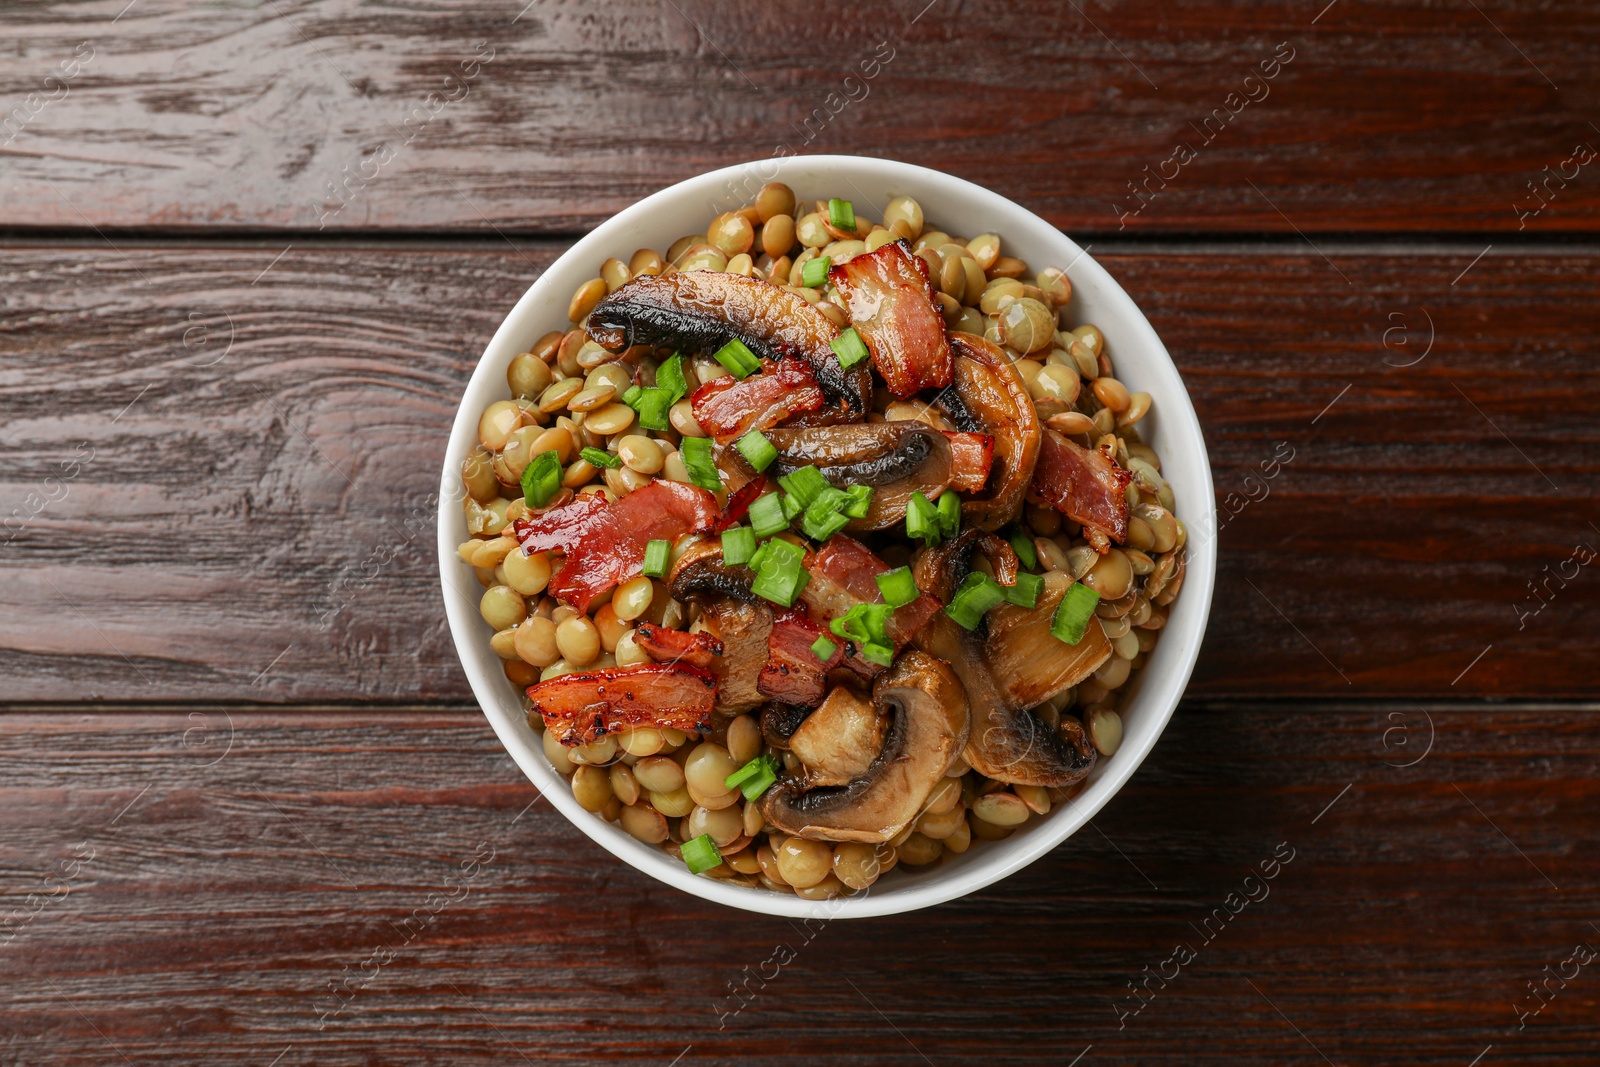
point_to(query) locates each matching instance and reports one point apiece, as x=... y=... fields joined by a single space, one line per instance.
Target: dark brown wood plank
x=232 y=881
x=255 y=522
x=1406 y=116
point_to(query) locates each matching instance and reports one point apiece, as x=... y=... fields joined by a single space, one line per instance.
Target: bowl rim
x=1158 y=697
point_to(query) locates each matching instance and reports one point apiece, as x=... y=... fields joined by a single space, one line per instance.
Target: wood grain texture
x=238 y=868
x=1398 y=116
x=253 y=518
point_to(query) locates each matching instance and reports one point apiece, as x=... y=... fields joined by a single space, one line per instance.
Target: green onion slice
x=738 y=358
x=823 y=649
x=898 y=587
x=696 y=453
x=738 y=545
x=805 y=484
x=601 y=458
x=541 y=478
x=949 y=513
x=922 y=519
x=849 y=347
x=655 y=559
x=972 y=601
x=1022 y=545
x=652 y=404
x=669 y=376
x=700 y=854
x=860 y=500
x=815 y=271
x=863 y=624
x=767 y=516
x=842 y=213
x=882 y=655
x=754 y=778
x=757 y=450
x=781 y=575
x=1071 y=620
x=1025 y=594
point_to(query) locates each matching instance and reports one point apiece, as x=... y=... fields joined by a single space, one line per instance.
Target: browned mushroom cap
x=1010 y=664
x=839 y=741
x=895 y=458
x=928 y=726
x=700 y=311
x=989 y=396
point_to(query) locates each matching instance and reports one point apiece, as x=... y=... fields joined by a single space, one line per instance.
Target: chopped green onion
x=750 y=770
x=738 y=358
x=754 y=562
x=754 y=778
x=541 y=478
x=700 y=854
x=882 y=655
x=922 y=519
x=652 y=404
x=669 y=376
x=1025 y=594
x=842 y=213
x=849 y=347
x=655 y=559
x=1022 y=545
x=976 y=596
x=767 y=516
x=823 y=649
x=696 y=453
x=1072 y=616
x=600 y=458
x=898 y=587
x=860 y=500
x=781 y=576
x=753 y=789
x=804 y=484
x=821 y=523
x=863 y=624
x=815 y=271
x=738 y=545
x=949 y=513
x=791 y=507
x=757 y=450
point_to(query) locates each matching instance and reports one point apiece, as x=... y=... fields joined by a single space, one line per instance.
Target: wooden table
x=248 y=263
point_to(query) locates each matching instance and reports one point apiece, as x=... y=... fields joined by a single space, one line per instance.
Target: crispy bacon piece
x=727 y=408
x=891 y=305
x=739 y=503
x=584 y=707
x=604 y=543
x=1083 y=485
x=677 y=646
x=793 y=674
x=971 y=455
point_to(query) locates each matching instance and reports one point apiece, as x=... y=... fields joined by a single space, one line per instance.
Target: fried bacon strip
x=677 y=646
x=892 y=307
x=604 y=543
x=727 y=408
x=793 y=674
x=583 y=707
x=971 y=456
x=1083 y=484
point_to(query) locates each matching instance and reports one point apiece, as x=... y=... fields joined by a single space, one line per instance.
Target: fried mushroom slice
x=700 y=311
x=1009 y=665
x=988 y=396
x=927 y=712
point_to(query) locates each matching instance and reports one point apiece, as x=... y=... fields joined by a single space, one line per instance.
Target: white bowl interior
x=958 y=206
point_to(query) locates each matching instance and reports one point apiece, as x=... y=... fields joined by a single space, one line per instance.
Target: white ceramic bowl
x=961 y=207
